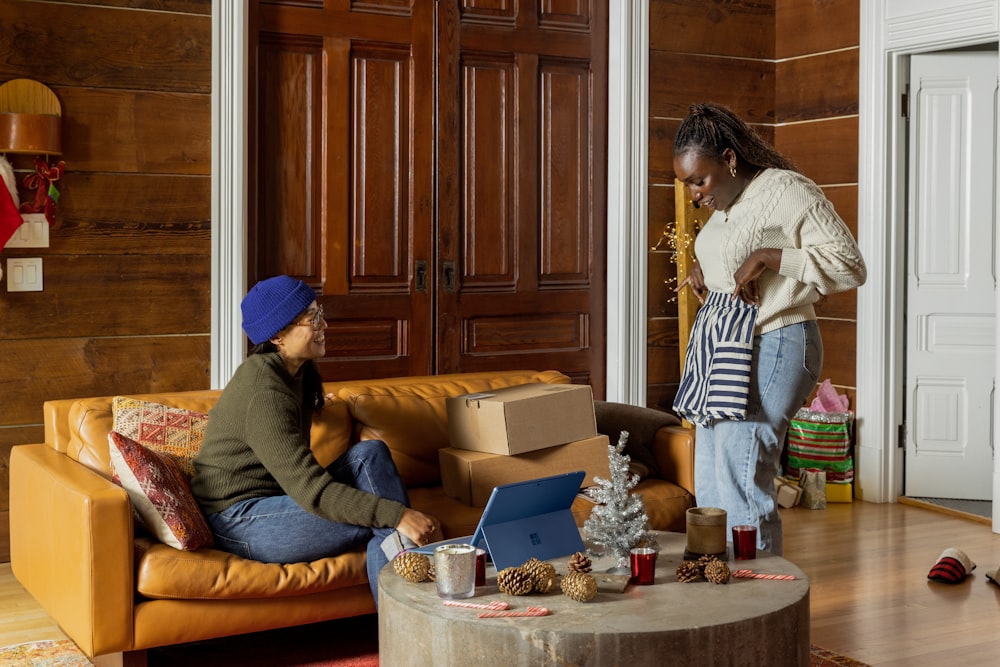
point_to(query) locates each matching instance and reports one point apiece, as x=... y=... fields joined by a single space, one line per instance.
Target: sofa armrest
x=71 y=537
x=673 y=448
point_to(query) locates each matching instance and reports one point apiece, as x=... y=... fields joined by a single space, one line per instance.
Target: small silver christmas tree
x=618 y=521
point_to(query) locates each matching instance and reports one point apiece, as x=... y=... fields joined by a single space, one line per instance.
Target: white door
x=951 y=289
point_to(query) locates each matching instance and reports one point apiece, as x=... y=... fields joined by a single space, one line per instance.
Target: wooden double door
x=436 y=170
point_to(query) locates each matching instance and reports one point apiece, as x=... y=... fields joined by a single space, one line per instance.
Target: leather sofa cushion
x=80 y=428
x=666 y=504
x=410 y=415
x=208 y=574
x=641 y=425
x=88 y=422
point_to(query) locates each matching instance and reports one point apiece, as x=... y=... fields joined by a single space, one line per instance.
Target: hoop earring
x=732 y=170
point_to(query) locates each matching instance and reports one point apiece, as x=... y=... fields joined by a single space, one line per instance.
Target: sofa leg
x=125 y=659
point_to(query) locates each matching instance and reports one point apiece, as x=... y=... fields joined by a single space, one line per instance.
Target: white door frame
x=628 y=215
x=890 y=31
x=230 y=54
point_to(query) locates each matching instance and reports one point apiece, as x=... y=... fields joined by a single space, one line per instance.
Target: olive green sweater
x=257 y=445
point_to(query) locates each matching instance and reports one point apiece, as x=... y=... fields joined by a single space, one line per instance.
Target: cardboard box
x=789 y=493
x=521 y=419
x=470 y=476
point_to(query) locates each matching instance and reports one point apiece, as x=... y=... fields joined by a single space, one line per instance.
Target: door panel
x=350 y=186
x=951 y=277
x=522 y=212
x=290 y=70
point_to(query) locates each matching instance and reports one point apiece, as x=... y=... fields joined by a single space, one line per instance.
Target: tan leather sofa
x=117 y=592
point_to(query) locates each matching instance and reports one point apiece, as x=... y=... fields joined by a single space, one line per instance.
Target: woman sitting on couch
x=264 y=495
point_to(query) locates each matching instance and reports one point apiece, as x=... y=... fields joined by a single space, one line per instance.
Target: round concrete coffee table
x=749 y=622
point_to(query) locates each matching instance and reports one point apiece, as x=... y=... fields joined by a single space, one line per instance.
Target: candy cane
x=530 y=611
x=495 y=605
x=749 y=574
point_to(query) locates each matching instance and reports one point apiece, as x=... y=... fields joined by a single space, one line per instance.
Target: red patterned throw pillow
x=173 y=431
x=160 y=493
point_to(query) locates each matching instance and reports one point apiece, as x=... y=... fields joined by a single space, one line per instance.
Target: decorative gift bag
x=821 y=440
x=813 y=483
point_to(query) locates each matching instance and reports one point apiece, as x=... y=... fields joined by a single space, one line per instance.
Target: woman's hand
x=747 y=287
x=696 y=281
x=419 y=527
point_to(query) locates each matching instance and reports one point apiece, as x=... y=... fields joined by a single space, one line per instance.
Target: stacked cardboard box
x=519 y=433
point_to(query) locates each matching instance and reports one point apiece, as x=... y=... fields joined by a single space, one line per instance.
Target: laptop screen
x=530 y=518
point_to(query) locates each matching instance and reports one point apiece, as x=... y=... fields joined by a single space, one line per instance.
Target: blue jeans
x=276 y=529
x=735 y=462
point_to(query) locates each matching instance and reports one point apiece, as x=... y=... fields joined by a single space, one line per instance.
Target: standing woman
x=772 y=248
x=264 y=495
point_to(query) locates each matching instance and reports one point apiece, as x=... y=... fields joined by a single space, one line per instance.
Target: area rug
x=820 y=657
x=288 y=650
x=48 y=653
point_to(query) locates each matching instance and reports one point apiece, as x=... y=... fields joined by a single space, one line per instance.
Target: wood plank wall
x=125 y=306
x=789 y=67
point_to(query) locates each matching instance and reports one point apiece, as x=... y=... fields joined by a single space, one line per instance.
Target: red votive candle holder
x=480 y=567
x=745 y=542
x=643 y=561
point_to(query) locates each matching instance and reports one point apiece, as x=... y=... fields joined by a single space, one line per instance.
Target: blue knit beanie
x=272 y=304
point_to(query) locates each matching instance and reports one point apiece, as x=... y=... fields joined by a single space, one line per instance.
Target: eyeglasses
x=315 y=320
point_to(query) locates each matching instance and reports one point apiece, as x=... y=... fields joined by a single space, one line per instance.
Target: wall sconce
x=30 y=124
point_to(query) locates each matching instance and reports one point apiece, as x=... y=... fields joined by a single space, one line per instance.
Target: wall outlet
x=33 y=232
x=24 y=274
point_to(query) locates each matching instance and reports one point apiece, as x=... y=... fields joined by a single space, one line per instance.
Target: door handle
x=448 y=272
x=420 y=276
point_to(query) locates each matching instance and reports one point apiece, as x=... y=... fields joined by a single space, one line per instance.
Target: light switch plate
x=24 y=274
x=33 y=232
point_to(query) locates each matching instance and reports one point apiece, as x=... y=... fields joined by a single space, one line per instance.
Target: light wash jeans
x=735 y=462
x=277 y=530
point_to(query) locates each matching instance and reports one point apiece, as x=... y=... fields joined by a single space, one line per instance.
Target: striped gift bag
x=717 y=365
x=821 y=440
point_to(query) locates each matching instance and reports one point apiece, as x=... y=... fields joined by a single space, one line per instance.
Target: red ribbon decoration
x=41 y=182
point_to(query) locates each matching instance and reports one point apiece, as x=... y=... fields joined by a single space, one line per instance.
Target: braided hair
x=710 y=128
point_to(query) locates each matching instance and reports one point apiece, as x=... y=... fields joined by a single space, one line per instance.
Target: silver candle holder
x=455 y=571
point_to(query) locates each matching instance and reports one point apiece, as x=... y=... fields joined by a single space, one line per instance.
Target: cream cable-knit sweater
x=782 y=209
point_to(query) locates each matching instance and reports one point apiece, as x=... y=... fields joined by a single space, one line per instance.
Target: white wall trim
x=891 y=30
x=628 y=146
x=229 y=186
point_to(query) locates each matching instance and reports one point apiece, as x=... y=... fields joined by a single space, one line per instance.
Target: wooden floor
x=870 y=596
x=869 y=593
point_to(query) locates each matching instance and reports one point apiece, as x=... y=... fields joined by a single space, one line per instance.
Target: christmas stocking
x=10 y=219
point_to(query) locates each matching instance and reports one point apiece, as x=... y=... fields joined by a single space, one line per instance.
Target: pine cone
x=543 y=575
x=579 y=562
x=717 y=572
x=579 y=586
x=704 y=562
x=688 y=571
x=412 y=566
x=514 y=581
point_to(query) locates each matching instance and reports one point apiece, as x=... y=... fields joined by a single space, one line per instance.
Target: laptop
x=525 y=519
